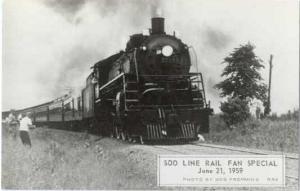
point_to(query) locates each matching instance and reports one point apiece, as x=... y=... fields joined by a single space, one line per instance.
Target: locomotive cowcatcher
x=147 y=91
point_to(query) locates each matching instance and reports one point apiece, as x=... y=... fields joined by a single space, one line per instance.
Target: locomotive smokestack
x=158 y=25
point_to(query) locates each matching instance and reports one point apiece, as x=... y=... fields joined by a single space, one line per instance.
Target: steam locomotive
x=145 y=92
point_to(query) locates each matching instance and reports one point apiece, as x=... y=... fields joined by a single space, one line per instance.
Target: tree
x=234 y=111
x=243 y=81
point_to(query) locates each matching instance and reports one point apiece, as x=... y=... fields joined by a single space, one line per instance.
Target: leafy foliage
x=243 y=79
x=243 y=83
x=235 y=111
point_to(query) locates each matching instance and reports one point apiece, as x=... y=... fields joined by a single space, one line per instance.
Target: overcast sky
x=49 y=45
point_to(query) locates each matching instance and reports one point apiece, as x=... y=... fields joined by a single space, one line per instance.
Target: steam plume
x=57 y=41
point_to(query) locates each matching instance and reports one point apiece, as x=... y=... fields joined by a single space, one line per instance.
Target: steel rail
x=247 y=150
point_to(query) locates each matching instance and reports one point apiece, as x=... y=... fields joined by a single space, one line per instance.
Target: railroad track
x=247 y=150
x=292 y=157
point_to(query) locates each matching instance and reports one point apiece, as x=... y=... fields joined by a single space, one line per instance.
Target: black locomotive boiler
x=147 y=91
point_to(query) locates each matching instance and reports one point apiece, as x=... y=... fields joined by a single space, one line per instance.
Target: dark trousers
x=25 y=138
x=13 y=130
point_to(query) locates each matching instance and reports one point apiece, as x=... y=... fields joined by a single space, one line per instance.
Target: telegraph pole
x=268 y=109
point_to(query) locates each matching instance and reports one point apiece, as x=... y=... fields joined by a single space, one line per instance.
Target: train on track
x=145 y=92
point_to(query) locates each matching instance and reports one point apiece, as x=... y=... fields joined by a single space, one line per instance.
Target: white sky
x=40 y=42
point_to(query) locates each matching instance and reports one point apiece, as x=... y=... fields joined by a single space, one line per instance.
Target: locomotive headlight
x=167 y=50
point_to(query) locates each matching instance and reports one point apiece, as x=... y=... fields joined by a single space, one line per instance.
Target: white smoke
x=50 y=45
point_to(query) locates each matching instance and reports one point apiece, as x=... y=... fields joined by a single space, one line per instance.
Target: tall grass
x=55 y=161
x=280 y=135
x=71 y=160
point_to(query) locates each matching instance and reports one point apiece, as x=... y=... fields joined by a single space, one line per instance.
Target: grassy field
x=280 y=135
x=76 y=160
x=69 y=160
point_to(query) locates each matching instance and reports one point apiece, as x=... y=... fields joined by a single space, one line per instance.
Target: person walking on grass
x=25 y=124
x=12 y=124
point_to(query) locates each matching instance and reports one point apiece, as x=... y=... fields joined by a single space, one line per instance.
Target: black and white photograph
x=150 y=95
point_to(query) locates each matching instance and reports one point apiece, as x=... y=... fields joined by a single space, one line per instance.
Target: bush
x=266 y=134
x=217 y=123
x=235 y=111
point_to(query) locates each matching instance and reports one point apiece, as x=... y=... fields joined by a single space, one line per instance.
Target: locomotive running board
x=157 y=131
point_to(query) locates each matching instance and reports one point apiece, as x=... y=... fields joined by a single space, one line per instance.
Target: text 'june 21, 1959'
x=221 y=170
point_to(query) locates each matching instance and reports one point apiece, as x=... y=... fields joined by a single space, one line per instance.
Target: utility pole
x=268 y=106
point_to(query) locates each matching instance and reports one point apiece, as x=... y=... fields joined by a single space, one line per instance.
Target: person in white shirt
x=20 y=117
x=25 y=124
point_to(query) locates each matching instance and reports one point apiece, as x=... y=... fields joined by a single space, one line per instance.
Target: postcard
x=150 y=95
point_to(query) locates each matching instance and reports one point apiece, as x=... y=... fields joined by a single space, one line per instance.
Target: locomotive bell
x=158 y=25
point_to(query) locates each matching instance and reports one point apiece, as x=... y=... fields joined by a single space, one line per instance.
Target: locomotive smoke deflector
x=158 y=25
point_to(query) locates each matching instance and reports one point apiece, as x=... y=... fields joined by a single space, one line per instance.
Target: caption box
x=221 y=170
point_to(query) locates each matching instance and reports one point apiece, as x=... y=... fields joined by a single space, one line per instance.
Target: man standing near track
x=12 y=124
x=25 y=124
